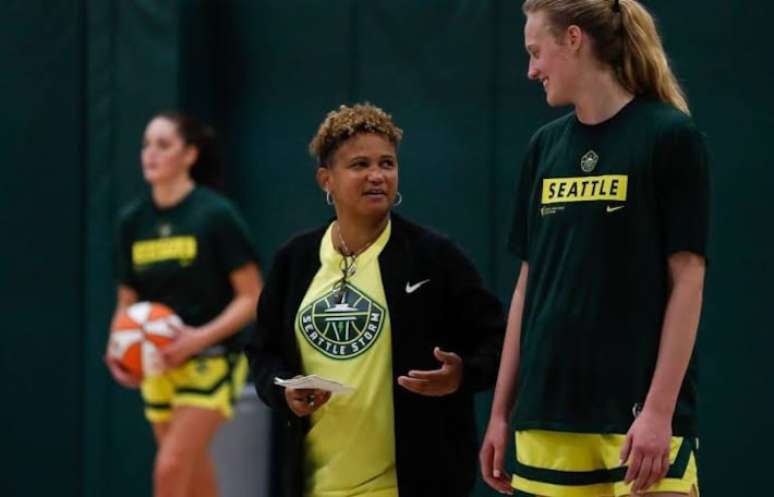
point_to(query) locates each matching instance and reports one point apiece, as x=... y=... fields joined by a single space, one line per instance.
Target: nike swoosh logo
x=413 y=288
x=613 y=209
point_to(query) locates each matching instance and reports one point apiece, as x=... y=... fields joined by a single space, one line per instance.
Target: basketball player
x=184 y=245
x=610 y=225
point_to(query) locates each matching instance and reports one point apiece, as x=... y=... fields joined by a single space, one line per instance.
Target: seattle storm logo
x=342 y=330
x=589 y=161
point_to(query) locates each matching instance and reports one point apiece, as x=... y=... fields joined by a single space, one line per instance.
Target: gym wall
x=82 y=77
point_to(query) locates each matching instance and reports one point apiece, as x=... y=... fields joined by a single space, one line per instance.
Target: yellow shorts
x=558 y=464
x=206 y=382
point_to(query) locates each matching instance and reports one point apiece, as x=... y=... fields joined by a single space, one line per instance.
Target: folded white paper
x=314 y=382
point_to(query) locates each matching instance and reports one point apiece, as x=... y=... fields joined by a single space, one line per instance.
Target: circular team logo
x=589 y=161
x=342 y=330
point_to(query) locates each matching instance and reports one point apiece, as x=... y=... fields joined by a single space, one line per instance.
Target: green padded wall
x=41 y=221
x=81 y=78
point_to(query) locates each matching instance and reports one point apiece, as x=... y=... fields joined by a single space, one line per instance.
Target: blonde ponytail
x=644 y=66
x=625 y=37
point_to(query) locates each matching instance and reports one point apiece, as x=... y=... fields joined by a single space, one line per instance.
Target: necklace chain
x=347 y=264
x=347 y=252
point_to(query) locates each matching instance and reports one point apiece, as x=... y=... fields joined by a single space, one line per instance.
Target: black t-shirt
x=598 y=210
x=182 y=256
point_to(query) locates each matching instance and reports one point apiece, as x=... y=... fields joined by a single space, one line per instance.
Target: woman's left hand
x=647 y=450
x=187 y=343
x=437 y=382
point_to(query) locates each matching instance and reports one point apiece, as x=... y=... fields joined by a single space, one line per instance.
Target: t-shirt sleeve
x=518 y=240
x=233 y=243
x=122 y=252
x=682 y=189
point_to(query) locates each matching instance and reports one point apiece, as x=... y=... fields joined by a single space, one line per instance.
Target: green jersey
x=598 y=211
x=182 y=256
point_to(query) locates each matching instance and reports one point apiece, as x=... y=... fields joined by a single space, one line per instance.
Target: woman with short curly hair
x=387 y=307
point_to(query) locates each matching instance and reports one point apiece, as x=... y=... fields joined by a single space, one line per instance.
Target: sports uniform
x=598 y=211
x=182 y=256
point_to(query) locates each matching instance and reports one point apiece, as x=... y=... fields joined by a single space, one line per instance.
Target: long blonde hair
x=625 y=37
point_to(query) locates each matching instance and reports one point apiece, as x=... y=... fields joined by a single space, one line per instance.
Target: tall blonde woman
x=610 y=225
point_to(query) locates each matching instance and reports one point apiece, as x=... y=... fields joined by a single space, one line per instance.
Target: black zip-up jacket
x=435 y=437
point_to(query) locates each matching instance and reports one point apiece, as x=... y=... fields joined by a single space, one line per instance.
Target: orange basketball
x=139 y=333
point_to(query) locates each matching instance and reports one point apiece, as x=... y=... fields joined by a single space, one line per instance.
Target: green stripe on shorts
x=594 y=477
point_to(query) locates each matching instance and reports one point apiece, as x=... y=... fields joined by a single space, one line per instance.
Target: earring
x=398 y=199
x=328 y=198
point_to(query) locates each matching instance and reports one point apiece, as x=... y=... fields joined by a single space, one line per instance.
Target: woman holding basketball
x=610 y=224
x=184 y=245
x=388 y=307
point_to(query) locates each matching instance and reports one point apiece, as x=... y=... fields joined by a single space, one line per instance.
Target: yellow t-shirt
x=350 y=448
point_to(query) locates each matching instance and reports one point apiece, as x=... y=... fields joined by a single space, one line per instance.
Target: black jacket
x=435 y=438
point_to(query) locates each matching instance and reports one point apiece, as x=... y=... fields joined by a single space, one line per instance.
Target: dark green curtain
x=132 y=71
x=82 y=77
x=41 y=205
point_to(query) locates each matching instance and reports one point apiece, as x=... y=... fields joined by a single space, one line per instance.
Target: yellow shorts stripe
x=586 y=465
x=205 y=382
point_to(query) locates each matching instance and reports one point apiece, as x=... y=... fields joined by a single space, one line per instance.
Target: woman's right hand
x=492 y=455
x=305 y=401
x=126 y=296
x=120 y=374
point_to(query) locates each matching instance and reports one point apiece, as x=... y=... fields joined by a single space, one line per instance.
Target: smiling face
x=165 y=156
x=362 y=177
x=552 y=60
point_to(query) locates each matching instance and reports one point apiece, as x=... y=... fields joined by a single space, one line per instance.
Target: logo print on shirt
x=607 y=188
x=180 y=248
x=589 y=161
x=610 y=208
x=165 y=230
x=342 y=330
x=413 y=288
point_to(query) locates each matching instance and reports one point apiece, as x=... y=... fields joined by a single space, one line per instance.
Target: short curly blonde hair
x=344 y=123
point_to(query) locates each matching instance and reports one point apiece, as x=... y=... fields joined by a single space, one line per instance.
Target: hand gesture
x=647 y=449
x=436 y=382
x=305 y=401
